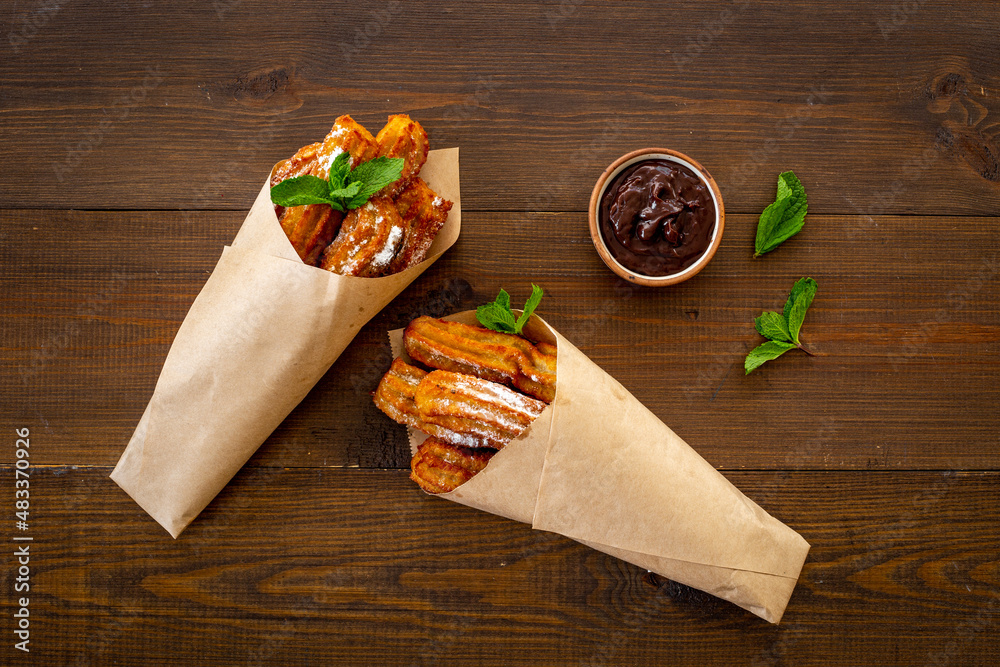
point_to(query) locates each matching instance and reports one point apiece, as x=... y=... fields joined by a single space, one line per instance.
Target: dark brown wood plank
x=906 y=332
x=352 y=567
x=182 y=106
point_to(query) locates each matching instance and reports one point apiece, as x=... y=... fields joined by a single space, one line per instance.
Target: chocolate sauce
x=657 y=217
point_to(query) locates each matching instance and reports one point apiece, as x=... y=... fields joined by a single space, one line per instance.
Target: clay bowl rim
x=595 y=233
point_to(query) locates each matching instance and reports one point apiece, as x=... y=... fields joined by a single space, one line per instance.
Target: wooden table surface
x=136 y=134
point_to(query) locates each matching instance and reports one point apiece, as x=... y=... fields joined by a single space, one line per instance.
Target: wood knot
x=944 y=138
x=260 y=85
x=947 y=86
x=272 y=88
x=968 y=127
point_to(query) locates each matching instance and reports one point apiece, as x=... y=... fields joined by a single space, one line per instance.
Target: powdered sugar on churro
x=328 y=160
x=385 y=255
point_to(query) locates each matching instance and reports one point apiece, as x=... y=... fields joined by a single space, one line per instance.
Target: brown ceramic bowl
x=609 y=175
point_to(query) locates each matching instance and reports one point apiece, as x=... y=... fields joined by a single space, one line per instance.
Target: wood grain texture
x=136 y=134
x=906 y=333
x=350 y=567
x=170 y=106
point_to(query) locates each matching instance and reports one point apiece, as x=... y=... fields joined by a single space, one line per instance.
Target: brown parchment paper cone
x=599 y=467
x=264 y=329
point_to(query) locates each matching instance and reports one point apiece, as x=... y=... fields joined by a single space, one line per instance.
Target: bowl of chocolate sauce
x=656 y=217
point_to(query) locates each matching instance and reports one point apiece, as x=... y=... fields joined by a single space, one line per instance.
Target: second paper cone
x=597 y=466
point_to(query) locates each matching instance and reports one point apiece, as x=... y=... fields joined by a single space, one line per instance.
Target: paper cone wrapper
x=597 y=466
x=264 y=329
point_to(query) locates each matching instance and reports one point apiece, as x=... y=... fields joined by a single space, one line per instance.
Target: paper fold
x=597 y=466
x=262 y=331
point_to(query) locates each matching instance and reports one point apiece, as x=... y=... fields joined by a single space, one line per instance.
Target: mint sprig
x=782 y=328
x=346 y=188
x=499 y=317
x=784 y=218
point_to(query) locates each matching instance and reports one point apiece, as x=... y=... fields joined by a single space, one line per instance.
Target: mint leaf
x=768 y=220
x=529 y=307
x=494 y=317
x=793 y=295
x=339 y=169
x=499 y=317
x=374 y=175
x=773 y=325
x=800 y=298
x=772 y=349
x=782 y=328
x=300 y=191
x=346 y=188
x=345 y=193
x=503 y=299
x=784 y=218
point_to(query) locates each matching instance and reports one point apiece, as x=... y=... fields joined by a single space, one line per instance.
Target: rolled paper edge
x=764 y=595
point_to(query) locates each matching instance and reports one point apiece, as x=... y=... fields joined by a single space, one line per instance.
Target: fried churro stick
x=300 y=164
x=500 y=357
x=468 y=411
x=402 y=137
x=312 y=227
x=394 y=395
x=346 y=136
x=423 y=214
x=439 y=467
x=368 y=240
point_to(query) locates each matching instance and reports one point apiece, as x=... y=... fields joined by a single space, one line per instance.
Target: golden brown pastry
x=347 y=135
x=403 y=137
x=300 y=164
x=423 y=214
x=309 y=228
x=505 y=358
x=394 y=395
x=465 y=410
x=368 y=240
x=465 y=414
x=456 y=408
x=439 y=467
